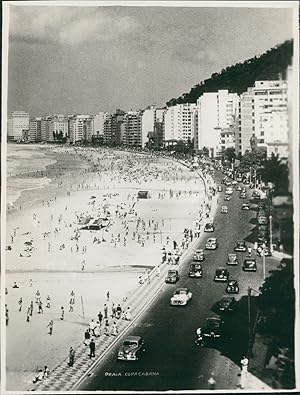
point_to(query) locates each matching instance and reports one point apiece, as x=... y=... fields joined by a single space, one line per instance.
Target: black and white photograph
x=150 y=197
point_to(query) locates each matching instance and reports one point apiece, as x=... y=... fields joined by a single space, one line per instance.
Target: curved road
x=172 y=360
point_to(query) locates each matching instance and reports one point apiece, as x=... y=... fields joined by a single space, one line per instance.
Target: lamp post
x=250 y=332
x=271 y=234
x=264 y=260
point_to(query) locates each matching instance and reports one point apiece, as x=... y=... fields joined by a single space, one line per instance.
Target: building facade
x=215 y=122
x=133 y=129
x=18 y=126
x=113 y=130
x=178 y=122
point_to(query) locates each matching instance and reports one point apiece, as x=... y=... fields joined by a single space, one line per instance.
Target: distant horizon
x=85 y=60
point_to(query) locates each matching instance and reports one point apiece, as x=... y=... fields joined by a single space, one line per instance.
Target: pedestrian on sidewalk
x=87 y=337
x=211 y=382
x=46 y=372
x=128 y=314
x=100 y=317
x=97 y=330
x=92 y=326
x=105 y=311
x=62 y=313
x=106 y=328
x=6 y=315
x=244 y=371
x=113 y=311
x=71 y=356
x=118 y=311
x=50 y=326
x=114 y=329
x=92 y=348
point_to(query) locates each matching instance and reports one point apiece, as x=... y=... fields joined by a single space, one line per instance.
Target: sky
x=89 y=59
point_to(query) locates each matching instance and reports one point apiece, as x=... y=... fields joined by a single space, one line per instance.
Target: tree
x=276 y=172
x=205 y=151
x=229 y=154
x=253 y=160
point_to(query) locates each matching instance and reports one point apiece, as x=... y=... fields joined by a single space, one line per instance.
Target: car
x=262 y=220
x=232 y=260
x=247 y=182
x=234 y=183
x=226 y=303
x=245 y=206
x=181 y=297
x=195 y=270
x=232 y=287
x=224 y=210
x=227 y=182
x=227 y=198
x=249 y=265
x=238 y=188
x=243 y=196
x=220 y=189
x=209 y=228
x=229 y=191
x=239 y=178
x=240 y=246
x=211 y=244
x=199 y=256
x=256 y=194
x=172 y=277
x=221 y=274
x=212 y=327
x=131 y=348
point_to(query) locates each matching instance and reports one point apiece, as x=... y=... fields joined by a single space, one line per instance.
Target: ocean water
x=21 y=160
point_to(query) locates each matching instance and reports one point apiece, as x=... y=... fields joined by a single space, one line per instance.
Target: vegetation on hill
x=239 y=77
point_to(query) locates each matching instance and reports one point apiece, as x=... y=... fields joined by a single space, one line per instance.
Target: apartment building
x=133 y=129
x=35 y=130
x=178 y=122
x=99 y=120
x=264 y=114
x=80 y=128
x=18 y=126
x=113 y=130
x=215 y=121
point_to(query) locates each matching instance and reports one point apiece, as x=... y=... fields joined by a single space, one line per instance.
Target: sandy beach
x=51 y=249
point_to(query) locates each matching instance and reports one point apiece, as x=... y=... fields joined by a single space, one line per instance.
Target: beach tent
x=143 y=195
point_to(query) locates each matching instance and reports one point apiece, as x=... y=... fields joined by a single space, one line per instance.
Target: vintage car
x=221 y=274
x=224 y=210
x=172 y=277
x=255 y=194
x=195 y=270
x=199 y=255
x=220 y=189
x=212 y=327
x=209 y=228
x=245 y=206
x=181 y=297
x=211 y=244
x=232 y=287
x=232 y=260
x=227 y=198
x=249 y=265
x=226 y=303
x=131 y=348
x=240 y=246
x=243 y=195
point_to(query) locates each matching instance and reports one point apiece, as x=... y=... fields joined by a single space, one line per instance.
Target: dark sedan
x=227 y=303
x=240 y=246
x=249 y=265
x=222 y=274
x=212 y=328
x=232 y=287
x=209 y=228
x=131 y=348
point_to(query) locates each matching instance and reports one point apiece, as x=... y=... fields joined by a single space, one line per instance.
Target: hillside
x=239 y=77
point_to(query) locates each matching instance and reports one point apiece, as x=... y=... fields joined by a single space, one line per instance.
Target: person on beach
x=50 y=326
x=92 y=348
x=71 y=356
x=20 y=303
x=100 y=317
x=15 y=285
x=71 y=309
x=48 y=302
x=31 y=308
x=72 y=297
x=107 y=295
x=128 y=314
x=37 y=296
x=30 y=282
x=40 y=307
x=62 y=313
x=46 y=372
x=92 y=326
x=39 y=376
x=118 y=311
x=28 y=315
x=82 y=265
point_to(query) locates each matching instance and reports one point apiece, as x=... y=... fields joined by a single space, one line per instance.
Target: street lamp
x=263 y=251
x=271 y=234
x=250 y=332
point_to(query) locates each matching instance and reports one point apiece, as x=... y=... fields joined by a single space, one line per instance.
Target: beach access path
x=59 y=258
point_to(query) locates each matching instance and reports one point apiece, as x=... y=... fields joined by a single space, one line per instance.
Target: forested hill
x=239 y=77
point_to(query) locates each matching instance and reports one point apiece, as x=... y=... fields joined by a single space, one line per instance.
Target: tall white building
x=58 y=129
x=271 y=116
x=18 y=126
x=80 y=128
x=178 y=123
x=148 y=118
x=99 y=120
x=246 y=121
x=217 y=115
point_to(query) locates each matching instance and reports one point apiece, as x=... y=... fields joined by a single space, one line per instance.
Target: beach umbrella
x=93 y=197
x=28 y=243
